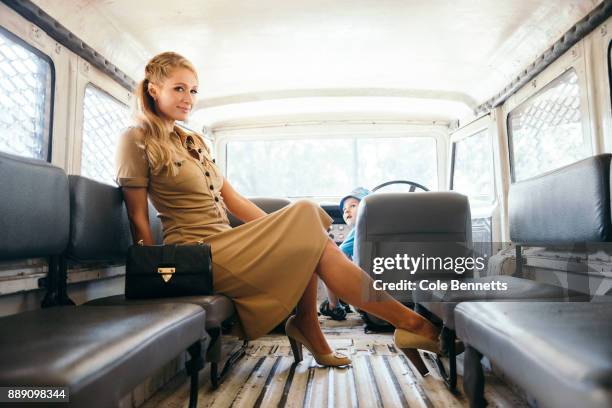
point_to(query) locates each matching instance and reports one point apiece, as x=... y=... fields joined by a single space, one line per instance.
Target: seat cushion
x=559 y=353
x=443 y=303
x=99 y=353
x=218 y=308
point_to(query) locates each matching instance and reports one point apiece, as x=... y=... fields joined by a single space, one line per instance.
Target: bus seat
x=567 y=206
x=267 y=204
x=88 y=195
x=100 y=354
x=33 y=192
x=566 y=348
x=428 y=224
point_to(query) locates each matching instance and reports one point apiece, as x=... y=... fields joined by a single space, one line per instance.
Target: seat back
x=35 y=208
x=430 y=226
x=269 y=205
x=99 y=226
x=564 y=210
x=564 y=206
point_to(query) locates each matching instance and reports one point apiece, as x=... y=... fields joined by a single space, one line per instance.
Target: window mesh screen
x=546 y=130
x=25 y=99
x=104 y=118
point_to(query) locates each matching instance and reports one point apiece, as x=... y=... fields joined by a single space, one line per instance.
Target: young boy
x=334 y=307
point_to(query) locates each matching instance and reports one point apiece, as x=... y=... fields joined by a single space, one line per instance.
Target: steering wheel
x=412 y=184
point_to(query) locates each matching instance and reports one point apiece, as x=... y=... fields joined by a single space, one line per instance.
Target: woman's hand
x=241 y=207
x=138 y=213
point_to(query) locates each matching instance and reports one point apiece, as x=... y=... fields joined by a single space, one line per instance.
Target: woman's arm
x=138 y=213
x=238 y=205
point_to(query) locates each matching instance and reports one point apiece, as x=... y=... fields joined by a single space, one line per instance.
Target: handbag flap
x=185 y=259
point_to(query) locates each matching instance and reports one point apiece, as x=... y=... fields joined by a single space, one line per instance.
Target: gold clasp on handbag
x=166 y=273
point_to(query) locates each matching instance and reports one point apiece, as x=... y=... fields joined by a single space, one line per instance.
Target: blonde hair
x=159 y=148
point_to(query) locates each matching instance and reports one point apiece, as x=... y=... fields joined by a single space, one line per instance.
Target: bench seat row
x=105 y=348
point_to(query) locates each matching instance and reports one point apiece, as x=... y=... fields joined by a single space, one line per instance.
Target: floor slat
x=380 y=376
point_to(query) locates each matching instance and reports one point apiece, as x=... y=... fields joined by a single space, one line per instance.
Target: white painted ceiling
x=408 y=59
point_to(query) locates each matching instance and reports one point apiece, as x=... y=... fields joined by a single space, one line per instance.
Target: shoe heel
x=416 y=360
x=296 y=349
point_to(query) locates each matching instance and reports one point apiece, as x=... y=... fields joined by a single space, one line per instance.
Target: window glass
x=473 y=168
x=546 y=130
x=328 y=167
x=104 y=118
x=26 y=83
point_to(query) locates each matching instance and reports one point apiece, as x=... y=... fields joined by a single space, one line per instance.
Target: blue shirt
x=347 y=245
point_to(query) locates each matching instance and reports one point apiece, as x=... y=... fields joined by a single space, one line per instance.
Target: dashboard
x=338 y=230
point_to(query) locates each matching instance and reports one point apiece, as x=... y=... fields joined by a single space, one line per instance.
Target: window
x=546 y=130
x=473 y=168
x=26 y=94
x=328 y=167
x=104 y=118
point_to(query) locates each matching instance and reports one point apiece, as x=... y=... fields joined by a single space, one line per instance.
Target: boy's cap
x=359 y=193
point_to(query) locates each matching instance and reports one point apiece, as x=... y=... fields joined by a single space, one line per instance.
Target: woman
x=269 y=264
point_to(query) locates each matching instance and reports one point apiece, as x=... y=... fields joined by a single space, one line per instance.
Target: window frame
x=574 y=58
x=82 y=119
x=471 y=133
x=356 y=129
x=88 y=75
x=50 y=108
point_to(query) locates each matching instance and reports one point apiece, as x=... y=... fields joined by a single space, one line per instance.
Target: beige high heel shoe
x=296 y=339
x=410 y=343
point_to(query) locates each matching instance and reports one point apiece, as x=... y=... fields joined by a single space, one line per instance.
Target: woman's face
x=176 y=95
x=349 y=210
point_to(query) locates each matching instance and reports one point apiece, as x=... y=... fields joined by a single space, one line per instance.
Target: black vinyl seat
x=443 y=303
x=420 y=225
x=559 y=353
x=542 y=211
x=218 y=308
x=102 y=353
x=546 y=345
x=423 y=224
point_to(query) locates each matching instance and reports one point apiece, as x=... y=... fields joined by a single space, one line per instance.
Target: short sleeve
x=132 y=167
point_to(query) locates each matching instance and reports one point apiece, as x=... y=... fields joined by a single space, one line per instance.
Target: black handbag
x=159 y=271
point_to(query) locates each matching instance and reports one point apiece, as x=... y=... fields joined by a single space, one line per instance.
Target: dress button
x=178 y=164
x=216 y=198
x=212 y=187
x=199 y=150
x=207 y=174
x=214 y=161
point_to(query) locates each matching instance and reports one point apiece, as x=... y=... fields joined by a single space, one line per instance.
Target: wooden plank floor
x=380 y=376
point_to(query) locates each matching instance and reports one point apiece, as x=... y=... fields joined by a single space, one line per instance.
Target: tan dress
x=263 y=265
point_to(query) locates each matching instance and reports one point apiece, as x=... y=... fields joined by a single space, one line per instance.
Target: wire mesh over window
x=26 y=83
x=473 y=168
x=546 y=130
x=104 y=118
